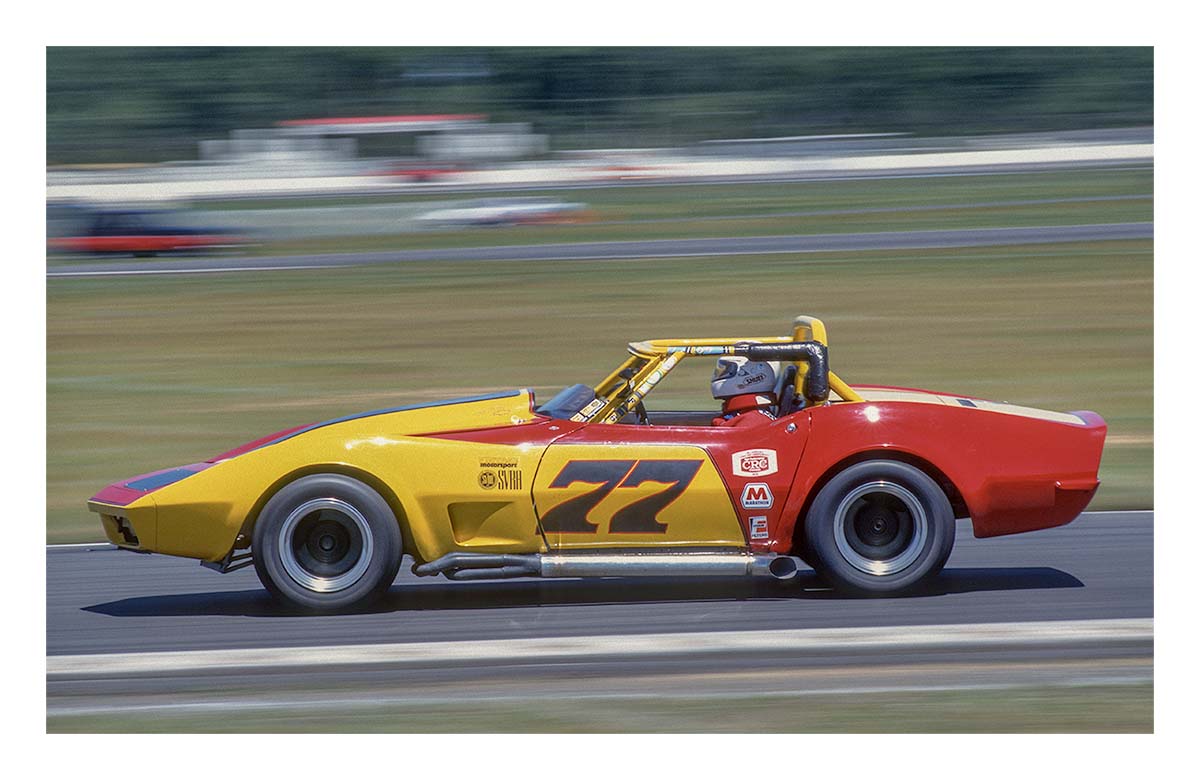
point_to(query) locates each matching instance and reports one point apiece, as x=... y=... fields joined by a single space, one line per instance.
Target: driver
x=746 y=390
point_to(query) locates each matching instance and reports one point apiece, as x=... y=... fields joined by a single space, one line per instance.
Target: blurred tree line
x=147 y=104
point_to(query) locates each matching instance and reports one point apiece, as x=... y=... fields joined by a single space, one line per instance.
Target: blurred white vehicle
x=507 y=211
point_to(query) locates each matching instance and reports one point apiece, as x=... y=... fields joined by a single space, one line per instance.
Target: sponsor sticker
x=586 y=412
x=757 y=495
x=504 y=479
x=755 y=463
x=758 y=527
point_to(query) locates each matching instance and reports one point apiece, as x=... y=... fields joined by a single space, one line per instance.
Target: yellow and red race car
x=864 y=483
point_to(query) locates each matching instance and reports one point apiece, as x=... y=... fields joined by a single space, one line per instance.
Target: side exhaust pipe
x=479 y=566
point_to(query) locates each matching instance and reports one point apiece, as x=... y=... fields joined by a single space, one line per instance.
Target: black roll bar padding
x=816 y=354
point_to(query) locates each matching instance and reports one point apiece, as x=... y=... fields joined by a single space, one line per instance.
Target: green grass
x=707 y=211
x=147 y=372
x=1053 y=214
x=1087 y=709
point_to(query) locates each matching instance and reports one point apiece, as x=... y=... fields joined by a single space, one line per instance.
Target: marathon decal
x=757 y=495
x=755 y=463
x=640 y=515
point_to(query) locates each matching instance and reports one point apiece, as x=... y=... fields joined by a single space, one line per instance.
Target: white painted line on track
x=79 y=544
x=1055 y=632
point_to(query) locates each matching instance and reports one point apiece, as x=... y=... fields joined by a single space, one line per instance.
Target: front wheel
x=327 y=542
x=880 y=527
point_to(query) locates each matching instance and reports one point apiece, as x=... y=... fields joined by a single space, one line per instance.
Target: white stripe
x=79 y=544
x=588 y=647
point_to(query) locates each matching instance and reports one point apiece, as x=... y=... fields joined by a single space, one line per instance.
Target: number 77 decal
x=638 y=517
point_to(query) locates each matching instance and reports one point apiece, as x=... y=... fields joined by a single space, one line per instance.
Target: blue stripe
x=160 y=480
x=430 y=405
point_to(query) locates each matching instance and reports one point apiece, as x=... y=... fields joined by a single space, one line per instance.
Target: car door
x=633 y=486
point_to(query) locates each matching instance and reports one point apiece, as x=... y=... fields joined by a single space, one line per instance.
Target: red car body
x=1006 y=472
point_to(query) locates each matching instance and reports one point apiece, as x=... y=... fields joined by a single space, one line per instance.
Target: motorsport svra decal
x=499 y=473
x=757 y=495
x=755 y=463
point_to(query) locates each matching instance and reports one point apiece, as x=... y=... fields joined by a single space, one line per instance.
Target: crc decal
x=758 y=527
x=640 y=516
x=757 y=495
x=755 y=463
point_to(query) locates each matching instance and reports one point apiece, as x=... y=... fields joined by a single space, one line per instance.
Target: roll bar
x=814 y=353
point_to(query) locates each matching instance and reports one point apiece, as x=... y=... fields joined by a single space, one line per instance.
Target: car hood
x=511 y=407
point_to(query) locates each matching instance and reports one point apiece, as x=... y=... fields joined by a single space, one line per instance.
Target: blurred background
x=122 y=105
x=241 y=240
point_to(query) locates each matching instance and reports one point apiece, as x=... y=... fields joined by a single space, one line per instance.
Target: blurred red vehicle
x=142 y=233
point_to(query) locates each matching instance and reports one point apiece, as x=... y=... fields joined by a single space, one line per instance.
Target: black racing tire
x=327 y=542
x=879 y=528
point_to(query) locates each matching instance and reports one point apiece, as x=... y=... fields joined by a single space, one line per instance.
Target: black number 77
x=639 y=517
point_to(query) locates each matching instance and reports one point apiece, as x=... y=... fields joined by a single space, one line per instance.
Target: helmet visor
x=725 y=369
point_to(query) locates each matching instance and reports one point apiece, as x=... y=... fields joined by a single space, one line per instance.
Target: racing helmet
x=737 y=375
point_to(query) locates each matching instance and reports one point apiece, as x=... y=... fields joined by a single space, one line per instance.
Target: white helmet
x=736 y=375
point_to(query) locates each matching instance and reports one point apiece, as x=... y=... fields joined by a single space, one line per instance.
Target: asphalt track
x=623 y=250
x=143 y=643
x=101 y=600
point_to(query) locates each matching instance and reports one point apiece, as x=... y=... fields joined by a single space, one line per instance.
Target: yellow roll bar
x=622 y=391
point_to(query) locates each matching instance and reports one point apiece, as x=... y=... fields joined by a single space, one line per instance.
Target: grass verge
x=1085 y=709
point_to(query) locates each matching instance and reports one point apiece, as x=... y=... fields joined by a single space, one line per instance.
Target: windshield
x=567 y=402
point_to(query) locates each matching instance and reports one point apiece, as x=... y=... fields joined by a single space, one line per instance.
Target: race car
x=140 y=232
x=863 y=483
x=493 y=212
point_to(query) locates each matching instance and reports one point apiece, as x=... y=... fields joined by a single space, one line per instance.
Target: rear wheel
x=878 y=528
x=327 y=542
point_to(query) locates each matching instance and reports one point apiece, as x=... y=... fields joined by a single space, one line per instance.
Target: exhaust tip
x=783 y=568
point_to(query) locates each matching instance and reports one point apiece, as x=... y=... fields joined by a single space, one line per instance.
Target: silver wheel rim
x=314 y=581
x=844 y=516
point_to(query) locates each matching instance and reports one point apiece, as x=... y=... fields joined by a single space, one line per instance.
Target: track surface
x=101 y=600
x=618 y=250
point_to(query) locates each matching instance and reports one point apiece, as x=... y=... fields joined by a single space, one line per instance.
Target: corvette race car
x=863 y=483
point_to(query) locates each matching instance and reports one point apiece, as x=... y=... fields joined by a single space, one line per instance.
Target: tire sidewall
x=819 y=531
x=385 y=531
